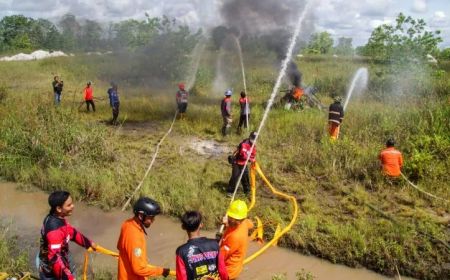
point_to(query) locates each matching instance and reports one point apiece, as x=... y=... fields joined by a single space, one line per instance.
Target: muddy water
x=26 y=210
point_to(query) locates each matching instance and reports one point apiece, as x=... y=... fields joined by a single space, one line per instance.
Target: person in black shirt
x=199 y=257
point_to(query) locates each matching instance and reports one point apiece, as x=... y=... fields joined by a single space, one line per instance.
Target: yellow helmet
x=238 y=210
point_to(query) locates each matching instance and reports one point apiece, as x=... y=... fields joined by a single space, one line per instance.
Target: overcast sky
x=348 y=18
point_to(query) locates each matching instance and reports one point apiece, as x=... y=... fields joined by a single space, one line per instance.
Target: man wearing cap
x=335 y=117
x=89 y=96
x=132 y=246
x=234 y=243
x=182 y=100
x=241 y=155
x=225 y=108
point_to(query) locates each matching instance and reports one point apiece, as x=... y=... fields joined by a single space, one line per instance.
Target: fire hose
x=422 y=191
x=107 y=252
x=279 y=232
x=151 y=163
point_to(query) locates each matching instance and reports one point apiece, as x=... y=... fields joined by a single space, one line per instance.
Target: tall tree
x=14 y=32
x=320 y=43
x=407 y=39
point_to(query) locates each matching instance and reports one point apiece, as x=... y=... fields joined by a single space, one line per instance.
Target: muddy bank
x=26 y=211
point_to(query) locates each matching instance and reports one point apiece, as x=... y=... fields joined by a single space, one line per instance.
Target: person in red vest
x=245 y=112
x=391 y=160
x=240 y=157
x=89 y=96
x=182 y=100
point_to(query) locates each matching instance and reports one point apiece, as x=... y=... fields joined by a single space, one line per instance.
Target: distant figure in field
x=182 y=100
x=57 y=89
x=199 y=257
x=89 y=96
x=391 y=160
x=225 y=108
x=114 y=102
x=245 y=112
x=335 y=117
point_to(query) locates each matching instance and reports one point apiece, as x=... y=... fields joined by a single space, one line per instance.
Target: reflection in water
x=27 y=210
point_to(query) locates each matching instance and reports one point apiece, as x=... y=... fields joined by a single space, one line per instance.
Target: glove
x=166 y=272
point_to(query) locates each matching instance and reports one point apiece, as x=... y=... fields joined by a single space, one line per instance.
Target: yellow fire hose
x=103 y=251
x=280 y=232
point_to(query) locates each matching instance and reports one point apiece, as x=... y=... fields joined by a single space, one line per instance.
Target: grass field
x=349 y=214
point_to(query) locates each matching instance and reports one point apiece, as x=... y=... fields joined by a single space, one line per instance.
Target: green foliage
x=304 y=275
x=320 y=43
x=445 y=54
x=406 y=40
x=134 y=33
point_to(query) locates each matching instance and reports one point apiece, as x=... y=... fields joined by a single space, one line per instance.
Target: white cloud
x=375 y=23
x=439 y=14
x=420 y=6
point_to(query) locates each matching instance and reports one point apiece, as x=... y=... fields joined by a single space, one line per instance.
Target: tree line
x=408 y=37
x=20 y=33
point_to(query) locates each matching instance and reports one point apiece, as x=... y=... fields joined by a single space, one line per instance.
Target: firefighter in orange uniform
x=234 y=243
x=391 y=160
x=335 y=117
x=132 y=246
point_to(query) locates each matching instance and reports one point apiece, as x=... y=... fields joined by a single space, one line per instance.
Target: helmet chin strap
x=141 y=221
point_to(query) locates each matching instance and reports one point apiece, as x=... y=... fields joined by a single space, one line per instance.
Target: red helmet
x=181 y=86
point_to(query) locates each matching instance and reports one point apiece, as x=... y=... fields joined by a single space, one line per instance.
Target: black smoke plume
x=295 y=76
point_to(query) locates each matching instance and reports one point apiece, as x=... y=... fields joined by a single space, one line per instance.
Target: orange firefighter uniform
x=234 y=247
x=335 y=117
x=392 y=161
x=132 y=248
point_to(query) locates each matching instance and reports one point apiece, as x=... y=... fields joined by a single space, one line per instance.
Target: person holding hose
x=391 y=160
x=56 y=232
x=245 y=112
x=335 y=118
x=58 y=85
x=234 y=243
x=182 y=100
x=225 y=108
x=241 y=155
x=114 y=102
x=199 y=257
x=132 y=246
x=89 y=96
